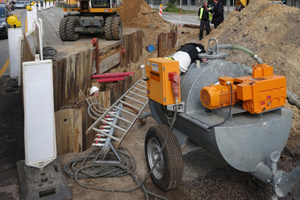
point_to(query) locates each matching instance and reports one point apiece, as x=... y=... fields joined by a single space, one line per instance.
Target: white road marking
x=52 y=14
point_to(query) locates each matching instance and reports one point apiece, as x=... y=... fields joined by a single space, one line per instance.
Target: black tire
x=70 y=29
x=116 y=28
x=62 y=29
x=107 y=28
x=168 y=171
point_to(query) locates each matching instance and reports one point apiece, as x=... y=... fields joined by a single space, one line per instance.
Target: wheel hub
x=153 y=149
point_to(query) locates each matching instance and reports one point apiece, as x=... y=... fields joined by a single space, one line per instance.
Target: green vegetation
x=173 y=9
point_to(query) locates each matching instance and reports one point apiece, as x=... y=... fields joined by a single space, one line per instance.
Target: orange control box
x=260 y=92
x=159 y=87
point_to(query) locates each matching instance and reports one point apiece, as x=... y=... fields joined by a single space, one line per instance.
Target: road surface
x=4 y=42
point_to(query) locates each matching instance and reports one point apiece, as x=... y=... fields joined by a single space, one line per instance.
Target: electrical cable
x=231 y=99
x=126 y=167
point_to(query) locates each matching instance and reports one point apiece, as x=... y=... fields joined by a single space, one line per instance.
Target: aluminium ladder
x=132 y=102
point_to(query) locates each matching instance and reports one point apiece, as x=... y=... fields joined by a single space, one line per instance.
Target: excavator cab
x=100 y=3
x=93 y=16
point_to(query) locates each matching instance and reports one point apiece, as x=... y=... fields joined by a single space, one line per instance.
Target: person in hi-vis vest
x=205 y=18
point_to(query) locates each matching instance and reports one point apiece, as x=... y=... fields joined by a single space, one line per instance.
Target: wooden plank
x=122 y=60
x=77 y=77
x=60 y=79
x=68 y=131
x=159 y=45
x=26 y=51
x=81 y=72
x=104 y=98
x=55 y=84
x=140 y=39
x=97 y=54
x=89 y=72
x=63 y=81
x=72 y=79
x=109 y=62
x=135 y=54
x=128 y=50
x=67 y=84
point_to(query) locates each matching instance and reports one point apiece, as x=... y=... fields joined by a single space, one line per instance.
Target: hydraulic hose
x=293 y=99
x=240 y=48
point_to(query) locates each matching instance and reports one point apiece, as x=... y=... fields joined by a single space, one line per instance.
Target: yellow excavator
x=243 y=3
x=91 y=16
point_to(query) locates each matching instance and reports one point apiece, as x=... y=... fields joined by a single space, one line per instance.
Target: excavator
x=91 y=16
x=240 y=4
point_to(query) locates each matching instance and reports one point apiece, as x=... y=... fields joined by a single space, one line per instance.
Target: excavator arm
x=242 y=3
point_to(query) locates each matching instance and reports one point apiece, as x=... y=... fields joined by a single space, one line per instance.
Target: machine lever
x=175 y=79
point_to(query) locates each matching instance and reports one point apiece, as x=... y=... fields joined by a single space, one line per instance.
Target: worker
x=205 y=18
x=217 y=13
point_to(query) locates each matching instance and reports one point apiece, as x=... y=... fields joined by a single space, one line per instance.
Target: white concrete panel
x=14 y=46
x=29 y=20
x=39 y=124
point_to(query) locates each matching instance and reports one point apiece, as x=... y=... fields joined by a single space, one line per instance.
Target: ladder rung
x=100 y=139
x=134 y=100
x=123 y=102
x=139 y=90
x=99 y=131
x=126 y=111
x=142 y=85
x=98 y=145
x=138 y=95
x=115 y=126
x=121 y=118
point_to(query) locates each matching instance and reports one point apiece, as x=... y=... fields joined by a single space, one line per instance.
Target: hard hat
x=93 y=90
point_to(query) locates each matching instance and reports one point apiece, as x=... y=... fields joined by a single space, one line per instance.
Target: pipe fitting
x=293 y=99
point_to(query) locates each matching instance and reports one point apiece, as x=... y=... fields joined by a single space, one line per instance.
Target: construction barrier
x=160 y=10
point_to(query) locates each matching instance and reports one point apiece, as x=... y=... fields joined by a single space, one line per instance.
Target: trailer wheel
x=108 y=28
x=62 y=29
x=70 y=29
x=168 y=171
x=116 y=28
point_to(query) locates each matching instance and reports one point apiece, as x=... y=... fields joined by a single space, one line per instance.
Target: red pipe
x=104 y=80
x=111 y=75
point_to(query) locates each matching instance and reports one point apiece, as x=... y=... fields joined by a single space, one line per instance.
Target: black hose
x=231 y=99
x=127 y=166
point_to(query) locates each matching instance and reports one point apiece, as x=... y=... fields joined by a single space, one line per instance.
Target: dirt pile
x=272 y=31
x=137 y=13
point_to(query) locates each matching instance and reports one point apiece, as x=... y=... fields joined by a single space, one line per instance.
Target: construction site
x=112 y=101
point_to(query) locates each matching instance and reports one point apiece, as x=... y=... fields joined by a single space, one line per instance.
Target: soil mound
x=137 y=13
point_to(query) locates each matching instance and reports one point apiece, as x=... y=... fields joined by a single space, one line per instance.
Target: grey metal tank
x=248 y=142
x=245 y=140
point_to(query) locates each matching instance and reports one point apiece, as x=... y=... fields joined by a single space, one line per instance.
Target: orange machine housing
x=260 y=92
x=159 y=87
x=217 y=96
